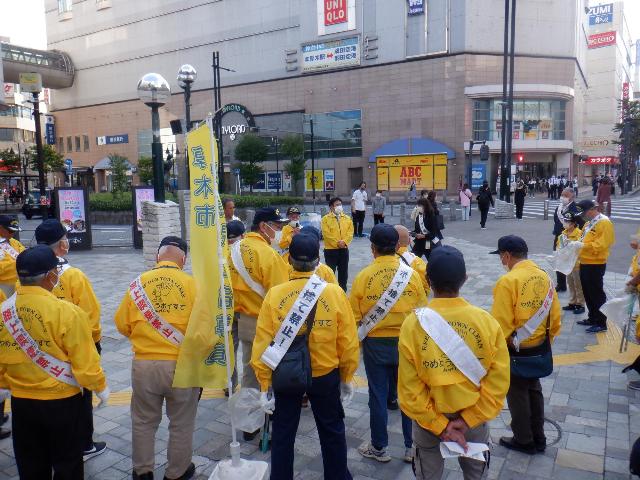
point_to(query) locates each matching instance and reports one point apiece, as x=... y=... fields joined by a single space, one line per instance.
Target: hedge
x=257 y=201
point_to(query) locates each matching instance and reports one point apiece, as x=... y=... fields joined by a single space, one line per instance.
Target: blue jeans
x=381 y=364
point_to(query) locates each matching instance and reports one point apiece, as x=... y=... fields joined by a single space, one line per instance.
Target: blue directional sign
x=600 y=14
x=68 y=163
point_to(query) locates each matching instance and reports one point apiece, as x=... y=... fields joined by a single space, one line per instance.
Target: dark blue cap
x=310 y=230
x=173 y=241
x=304 y=248
x=446 y=263
x=384 y=235
x=571 y=217
x=235 y=229
x=10 y=223
x=585 y=205
x=511 y=244
x=269 y=215
x=36 y=261
x=50 y=231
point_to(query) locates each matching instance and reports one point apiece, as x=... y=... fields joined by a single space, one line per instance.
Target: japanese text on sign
x=334 y=54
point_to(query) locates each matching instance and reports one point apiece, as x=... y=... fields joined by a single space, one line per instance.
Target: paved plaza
x=592 y=417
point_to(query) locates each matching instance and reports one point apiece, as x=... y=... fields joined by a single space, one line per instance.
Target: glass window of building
x=61 y=145
x=532 y=119
x=17 y=111
x=85 y=143
x=69 y=145
x=65 y=6
x=8 y=134
x=336 y=134
x=77 y=143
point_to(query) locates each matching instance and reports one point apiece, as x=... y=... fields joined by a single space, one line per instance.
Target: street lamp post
x=275 y=139
x=154 y=91
x=40 y=156
x=186 y=76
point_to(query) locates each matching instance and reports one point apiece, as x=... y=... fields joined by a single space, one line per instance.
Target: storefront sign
x=274 y=181
x=113 y=139
x=602 y=39
x=319 y=180
x=335 y=11
x=328 y=55
x=71 y=208
x=416 y=7
x=605 y=160
x=335 y=16
x=398 y=173
x=329 y=180
x=478 y=175
x=601 y=14
x=50 y=130
x=595 y=143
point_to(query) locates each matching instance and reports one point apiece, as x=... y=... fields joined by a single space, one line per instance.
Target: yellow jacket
x=333 y=342
x=518 y=295
x=323 y=271
x=62 y=330
x=574 y=235
x=8 y=273
x=172 y=293
x=597 y=243
x=429 y=385
x=419 y=266
x=334 y=229
x=264 y=265
x=75 y=287
x=369 y=286
x=287 y=236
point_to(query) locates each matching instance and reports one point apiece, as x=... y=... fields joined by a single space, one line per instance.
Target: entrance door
x=355 y=178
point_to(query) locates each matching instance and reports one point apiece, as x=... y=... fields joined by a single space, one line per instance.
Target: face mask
x=275 y=241
x=295 y=223
x=564 y=201
x=421 y=210
x=338 y=210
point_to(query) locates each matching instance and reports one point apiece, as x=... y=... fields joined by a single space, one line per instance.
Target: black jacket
x=431 y=224
x=484 y=198
x=557 y=223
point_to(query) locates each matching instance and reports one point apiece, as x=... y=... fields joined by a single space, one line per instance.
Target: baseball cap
x=571 y=217
x=446 y=264
x=310 y=230
x=305 y=248
x=292 y=210
x=36 y=261
x=512 y=244
x=269 y=215
x=10 y=223
x=235 y=229
x=384 y=235
x=585 y=205
x=50 y=231
x=174 y=242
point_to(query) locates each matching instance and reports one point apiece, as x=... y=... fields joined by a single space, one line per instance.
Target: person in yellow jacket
x=75 y=287
x=46 y=377
x=598 y=236
x=289 y=230
x=322 y=270
x=154 y=315
x=9 y=250
x=445 y=404
x=255 y=268
x=382 y=295
x=572 y=233
x=525 y=296
x=337 y=232
x=334 y=352
x=415 y=262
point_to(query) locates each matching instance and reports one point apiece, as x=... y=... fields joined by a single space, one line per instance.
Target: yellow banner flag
x=204 y=352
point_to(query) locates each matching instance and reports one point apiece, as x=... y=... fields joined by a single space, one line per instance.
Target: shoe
x=560 y=289
x=408 y=455
x=596 y=329
x=578 y=310
x=392 y=404
x=95 y=450
x=541 y=447
x=369 y=451
x=483 y=228
x=191 y=470
x=226 y=392
x=634 y=385
x=248 y=436
x=4 y=433
x=569 y=307
x=587 y=322
x=142 y=476
x=511 y=444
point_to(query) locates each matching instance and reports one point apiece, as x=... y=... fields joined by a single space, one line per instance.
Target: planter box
x=111 y=218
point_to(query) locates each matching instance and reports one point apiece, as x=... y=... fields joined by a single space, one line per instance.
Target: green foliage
x=145 y=170
x=259 y=201
x=52 y=160
x=106 y=202
x=633 y=113
x=118 y=165
x=293 y=148
x=251 y=152
x=10 y=161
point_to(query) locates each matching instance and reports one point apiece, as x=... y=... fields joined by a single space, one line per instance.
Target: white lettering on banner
x=7 y=249
x=142 y=301
x=233 y=129
x=238 y=263
x=524 y=332
x=451 y=344
x=57 y=369
x=388 y=299
x=294 y=320
x=591 y=224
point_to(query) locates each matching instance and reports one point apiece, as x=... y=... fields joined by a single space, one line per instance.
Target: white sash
x=6 y=248
x=409 y=257
x=238 y=263
x=53 y=367
x=524 y=332
x=451 y=344
x=63 y=266
x=388 y=299
x=294 y=320
x=142 y=301
x=589 y=226
x=423 y=229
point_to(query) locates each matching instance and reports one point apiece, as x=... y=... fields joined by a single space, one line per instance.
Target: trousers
x=561 y=278
x=483 y=215
x=378 y=218
x=465 y=212
x=526 y=405
x=358 y=222
x=48 y=435
x=151 y=381
x=329 y=416
x=87 y=411
x=576 y=297
x=592 y=280
x=246 y=334
x=338 y=259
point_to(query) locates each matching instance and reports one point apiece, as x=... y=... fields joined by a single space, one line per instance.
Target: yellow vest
x=8 y=273
x=334 y=229
x=419 y=266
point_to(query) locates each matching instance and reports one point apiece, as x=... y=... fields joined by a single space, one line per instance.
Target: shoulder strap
x=238 y=263
x=524 y=332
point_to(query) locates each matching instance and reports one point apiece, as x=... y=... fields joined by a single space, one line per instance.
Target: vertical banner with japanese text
x=204 y=352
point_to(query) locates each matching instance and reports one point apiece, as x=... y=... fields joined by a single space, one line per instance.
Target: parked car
x=32 y=207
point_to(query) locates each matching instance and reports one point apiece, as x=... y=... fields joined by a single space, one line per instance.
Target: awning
x=105 y=164
x=412 y=146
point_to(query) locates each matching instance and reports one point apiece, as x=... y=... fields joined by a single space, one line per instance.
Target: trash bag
x=245 y=410
x=564 y=259
x=619 y=309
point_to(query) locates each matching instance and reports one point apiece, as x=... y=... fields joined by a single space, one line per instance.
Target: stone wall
x=159 y=220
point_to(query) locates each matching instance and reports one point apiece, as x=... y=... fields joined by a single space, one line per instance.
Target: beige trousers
x=575 y=287
x=151 y=381
x=247 y=332
x=428 y=463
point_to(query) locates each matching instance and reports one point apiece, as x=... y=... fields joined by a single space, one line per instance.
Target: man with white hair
x=567 y=205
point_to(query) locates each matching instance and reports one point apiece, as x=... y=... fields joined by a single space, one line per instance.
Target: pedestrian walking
x=47 y=356
x=358 y=208
x=379 y=204
x=74 y=287
x=412 y=191
x=416 y=208
x=337 y=232
x=10 y=248
x=235 y=233
x=572 y=233
x=597 y=238
x=154 y=316
x=465 y=201
x=382 y=295
x=527 y=308
x=567 y=205
x=485 y=200
x=532 y=187
x=451 y=383
x=595 y=183
x=309 y=317
x=426 y=233
x=603 y=196
x=519 y=196
x=575 y=185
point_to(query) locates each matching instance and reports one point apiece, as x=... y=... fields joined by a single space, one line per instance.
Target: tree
x=53 y=161
x=119 y=166
x=630 y=109
x=145 y=170
x=293 y=149
x=10 y=161
x=251 y=152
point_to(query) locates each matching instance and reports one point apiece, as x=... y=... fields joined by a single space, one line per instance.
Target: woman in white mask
x=567 y=205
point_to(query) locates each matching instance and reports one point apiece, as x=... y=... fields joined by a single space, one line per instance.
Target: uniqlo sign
x=601 y=160
x=335 y=11
x=602 y=39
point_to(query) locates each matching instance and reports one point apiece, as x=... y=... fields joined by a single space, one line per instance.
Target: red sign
x=335 y=12
x=602 y=39
x=625 y=91
x=601 y=160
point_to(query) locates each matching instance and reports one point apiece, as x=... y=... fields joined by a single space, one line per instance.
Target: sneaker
x=408 y=455
x=596 y=329
x=569 y=307
x=369 y=451
x=511 y=444
x=189 y=472
x=142 y=476
x=634 y=385
x=483 y=228
x=587 y=322
x=392 y=404
x=578 y=310
x=95 y=450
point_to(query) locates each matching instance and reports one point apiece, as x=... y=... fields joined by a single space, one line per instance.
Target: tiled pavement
x=593 y=418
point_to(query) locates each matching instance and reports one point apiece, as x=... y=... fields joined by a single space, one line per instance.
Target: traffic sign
x=68 y=164
x=236 y=171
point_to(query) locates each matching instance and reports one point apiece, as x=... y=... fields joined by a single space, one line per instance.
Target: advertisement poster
x=416 y=7
x=140 y=194
x=72 y=213
x=602 y=40
x=274 y=181
x=427 y=171
x=329 y=180
x=309 y=184
x=328 y=55
x=478 y=175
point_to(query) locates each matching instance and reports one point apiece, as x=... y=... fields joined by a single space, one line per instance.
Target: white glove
x=268 y=404
x=576 y=244
x=103 y=396
x=4 y=394
x=346 y=393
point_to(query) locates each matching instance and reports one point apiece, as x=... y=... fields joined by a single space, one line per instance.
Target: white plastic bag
x=618 y=309
x=246 y=410
x=564 y=259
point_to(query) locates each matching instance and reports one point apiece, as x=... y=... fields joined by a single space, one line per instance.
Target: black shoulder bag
x=535 y=362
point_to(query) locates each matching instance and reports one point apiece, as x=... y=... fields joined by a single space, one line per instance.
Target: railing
x=49 y=59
